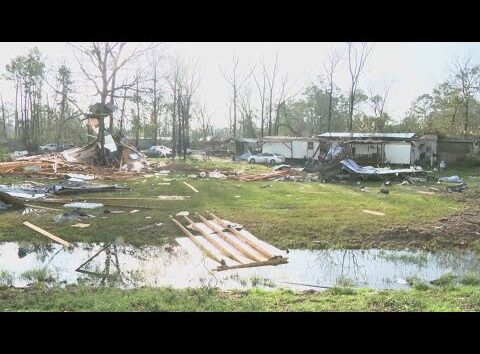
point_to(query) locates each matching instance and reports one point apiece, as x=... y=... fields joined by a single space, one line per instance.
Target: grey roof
x=368 y=135
x=242 y=140
x=286 y=138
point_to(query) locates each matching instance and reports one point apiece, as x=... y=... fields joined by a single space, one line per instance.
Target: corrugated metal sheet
x=368 y=135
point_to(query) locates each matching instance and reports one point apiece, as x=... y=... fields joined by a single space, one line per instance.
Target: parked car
x=64 y=147
x=49 y=148
x=266 y=157
x=158 y=151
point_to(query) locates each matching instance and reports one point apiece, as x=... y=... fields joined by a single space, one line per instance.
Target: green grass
x=288 y=215
x=82 y=298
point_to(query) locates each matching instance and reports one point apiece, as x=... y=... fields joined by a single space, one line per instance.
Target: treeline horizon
x=155 y=93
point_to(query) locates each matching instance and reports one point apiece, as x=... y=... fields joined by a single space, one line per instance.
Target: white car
x=158 y=151
x=266 y=157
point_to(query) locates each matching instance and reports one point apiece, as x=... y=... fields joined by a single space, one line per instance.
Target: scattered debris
x=182 y=213
x=352 y=167
x=425 y=192
x=453 y=179
x=230 y=249
x=83 y=205
x=373 y=212
x=384 y=191
x=74 y=215
x=173 y=197
x=48 y=234
x=457 y=188
x=190 y=186
x=114 y=211
x=80 y=225
x=134 y=211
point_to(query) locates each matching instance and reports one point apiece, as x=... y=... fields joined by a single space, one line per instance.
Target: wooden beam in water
x=273 y=262
x=197 y=243
x=227 y=239
x=213 y=241
x=242 y=237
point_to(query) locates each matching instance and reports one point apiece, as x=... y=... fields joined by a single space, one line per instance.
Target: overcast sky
x=415 y=67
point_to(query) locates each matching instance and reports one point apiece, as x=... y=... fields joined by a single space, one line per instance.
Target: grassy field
x=446 y=296
x=286 y=214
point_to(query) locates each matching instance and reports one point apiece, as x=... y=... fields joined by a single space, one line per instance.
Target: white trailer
x=291 y=147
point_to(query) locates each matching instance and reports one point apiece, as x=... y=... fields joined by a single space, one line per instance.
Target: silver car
x=266 y=157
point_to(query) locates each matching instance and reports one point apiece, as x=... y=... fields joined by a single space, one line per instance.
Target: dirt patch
x=459 y=229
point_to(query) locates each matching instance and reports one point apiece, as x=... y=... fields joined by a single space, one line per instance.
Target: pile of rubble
x=122 y=160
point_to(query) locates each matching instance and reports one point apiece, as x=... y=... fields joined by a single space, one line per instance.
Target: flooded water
x=127 y=266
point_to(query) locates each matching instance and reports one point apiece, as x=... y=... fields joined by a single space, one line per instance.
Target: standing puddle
x=127 y=266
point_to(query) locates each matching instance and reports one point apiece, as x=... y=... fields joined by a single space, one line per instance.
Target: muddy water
x=126 y=266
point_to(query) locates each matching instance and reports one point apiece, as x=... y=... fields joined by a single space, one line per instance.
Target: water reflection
x=126 y=266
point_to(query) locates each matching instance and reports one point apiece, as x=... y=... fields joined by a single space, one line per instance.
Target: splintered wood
x=226 y=245
x=268 y=175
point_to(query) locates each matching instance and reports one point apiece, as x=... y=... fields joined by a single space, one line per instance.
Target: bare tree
x=356 y=63
x=465 y=78
x=246 y=111
x=108 y=59
x=377 y=101
x=154 y=63
x=206 y=126
x=4 y=117
x=261 y=86
x=329 y=66
x=236 y=83
x=271 y=85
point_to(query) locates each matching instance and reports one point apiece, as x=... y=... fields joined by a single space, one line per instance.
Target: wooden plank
x=225 y=251
x=192 y=187
x=42 y=207
x=48 y=234
x=226 y=238
x=272 y=261
x=204 y=250
x=241 y=237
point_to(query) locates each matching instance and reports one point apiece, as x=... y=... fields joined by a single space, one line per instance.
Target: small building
x=294 y=148
x=240 y=146
x=457 y=149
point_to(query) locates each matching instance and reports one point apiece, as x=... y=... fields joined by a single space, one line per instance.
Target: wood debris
x=220 y=241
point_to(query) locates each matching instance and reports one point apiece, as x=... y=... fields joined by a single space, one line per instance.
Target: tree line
x=152 y=93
